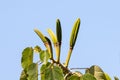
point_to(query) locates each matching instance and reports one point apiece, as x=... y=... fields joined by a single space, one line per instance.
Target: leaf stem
x=68 y=57
x=57 y=49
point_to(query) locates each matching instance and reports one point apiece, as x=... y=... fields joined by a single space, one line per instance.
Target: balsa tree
x=49 y=68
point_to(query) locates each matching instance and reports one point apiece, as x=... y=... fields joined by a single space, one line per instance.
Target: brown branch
x=65 y=70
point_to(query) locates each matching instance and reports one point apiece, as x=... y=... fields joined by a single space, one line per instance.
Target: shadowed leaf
x=23 y=75
x=32 y=72
x=116 y=78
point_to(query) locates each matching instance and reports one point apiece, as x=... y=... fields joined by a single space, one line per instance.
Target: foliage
x=48 y=68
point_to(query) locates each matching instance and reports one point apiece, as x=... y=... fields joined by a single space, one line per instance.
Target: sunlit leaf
x=44 y=56
x=32 y=72
x=107 y=76
x=54 y=73
x=78 y=73
x=74 y=77
x=97 y=72
x=88 y=76
x=27 y=57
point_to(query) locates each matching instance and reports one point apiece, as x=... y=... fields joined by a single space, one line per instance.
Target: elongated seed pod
x=59 y=38
x=74 y=33
x=73 y=38
x=53 y=36
x=49 y=47
x=58 y=31
x=41 y=36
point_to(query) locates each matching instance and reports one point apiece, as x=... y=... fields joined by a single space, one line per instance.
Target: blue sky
x=98 y=40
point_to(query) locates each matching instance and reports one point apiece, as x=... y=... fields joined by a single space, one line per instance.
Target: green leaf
x=116 y=78
x=58 y=31
x=27 y=57
x=97 y=72
x=54 y=73
x=43 y=69
x=32 y=72
x=78 y=73
x=107 y=76
x=88 y=76
x=41 y=36
x=23 y=75
x=37 y=49
x=74 y=77
x=44 y=56
x=53 y=36
x=74 y=33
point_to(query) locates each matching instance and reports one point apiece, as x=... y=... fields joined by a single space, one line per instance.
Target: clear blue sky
x=98 y=40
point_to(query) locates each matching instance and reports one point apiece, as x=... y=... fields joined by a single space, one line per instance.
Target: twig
x=78 y=68
x=66 y=70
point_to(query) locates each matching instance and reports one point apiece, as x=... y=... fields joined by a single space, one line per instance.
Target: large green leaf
x=32 y=72
x=27 y=57
x=44 y=56
x=43 y=69
x=23 y=75
x=97 y=72
x=88 y=76
x=53 y=73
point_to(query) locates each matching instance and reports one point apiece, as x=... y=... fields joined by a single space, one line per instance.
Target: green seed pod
x=40 y=35
x=58 y=31
x=74 y=33
x=73 y=38
x=53 y=36
x=49 y=47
